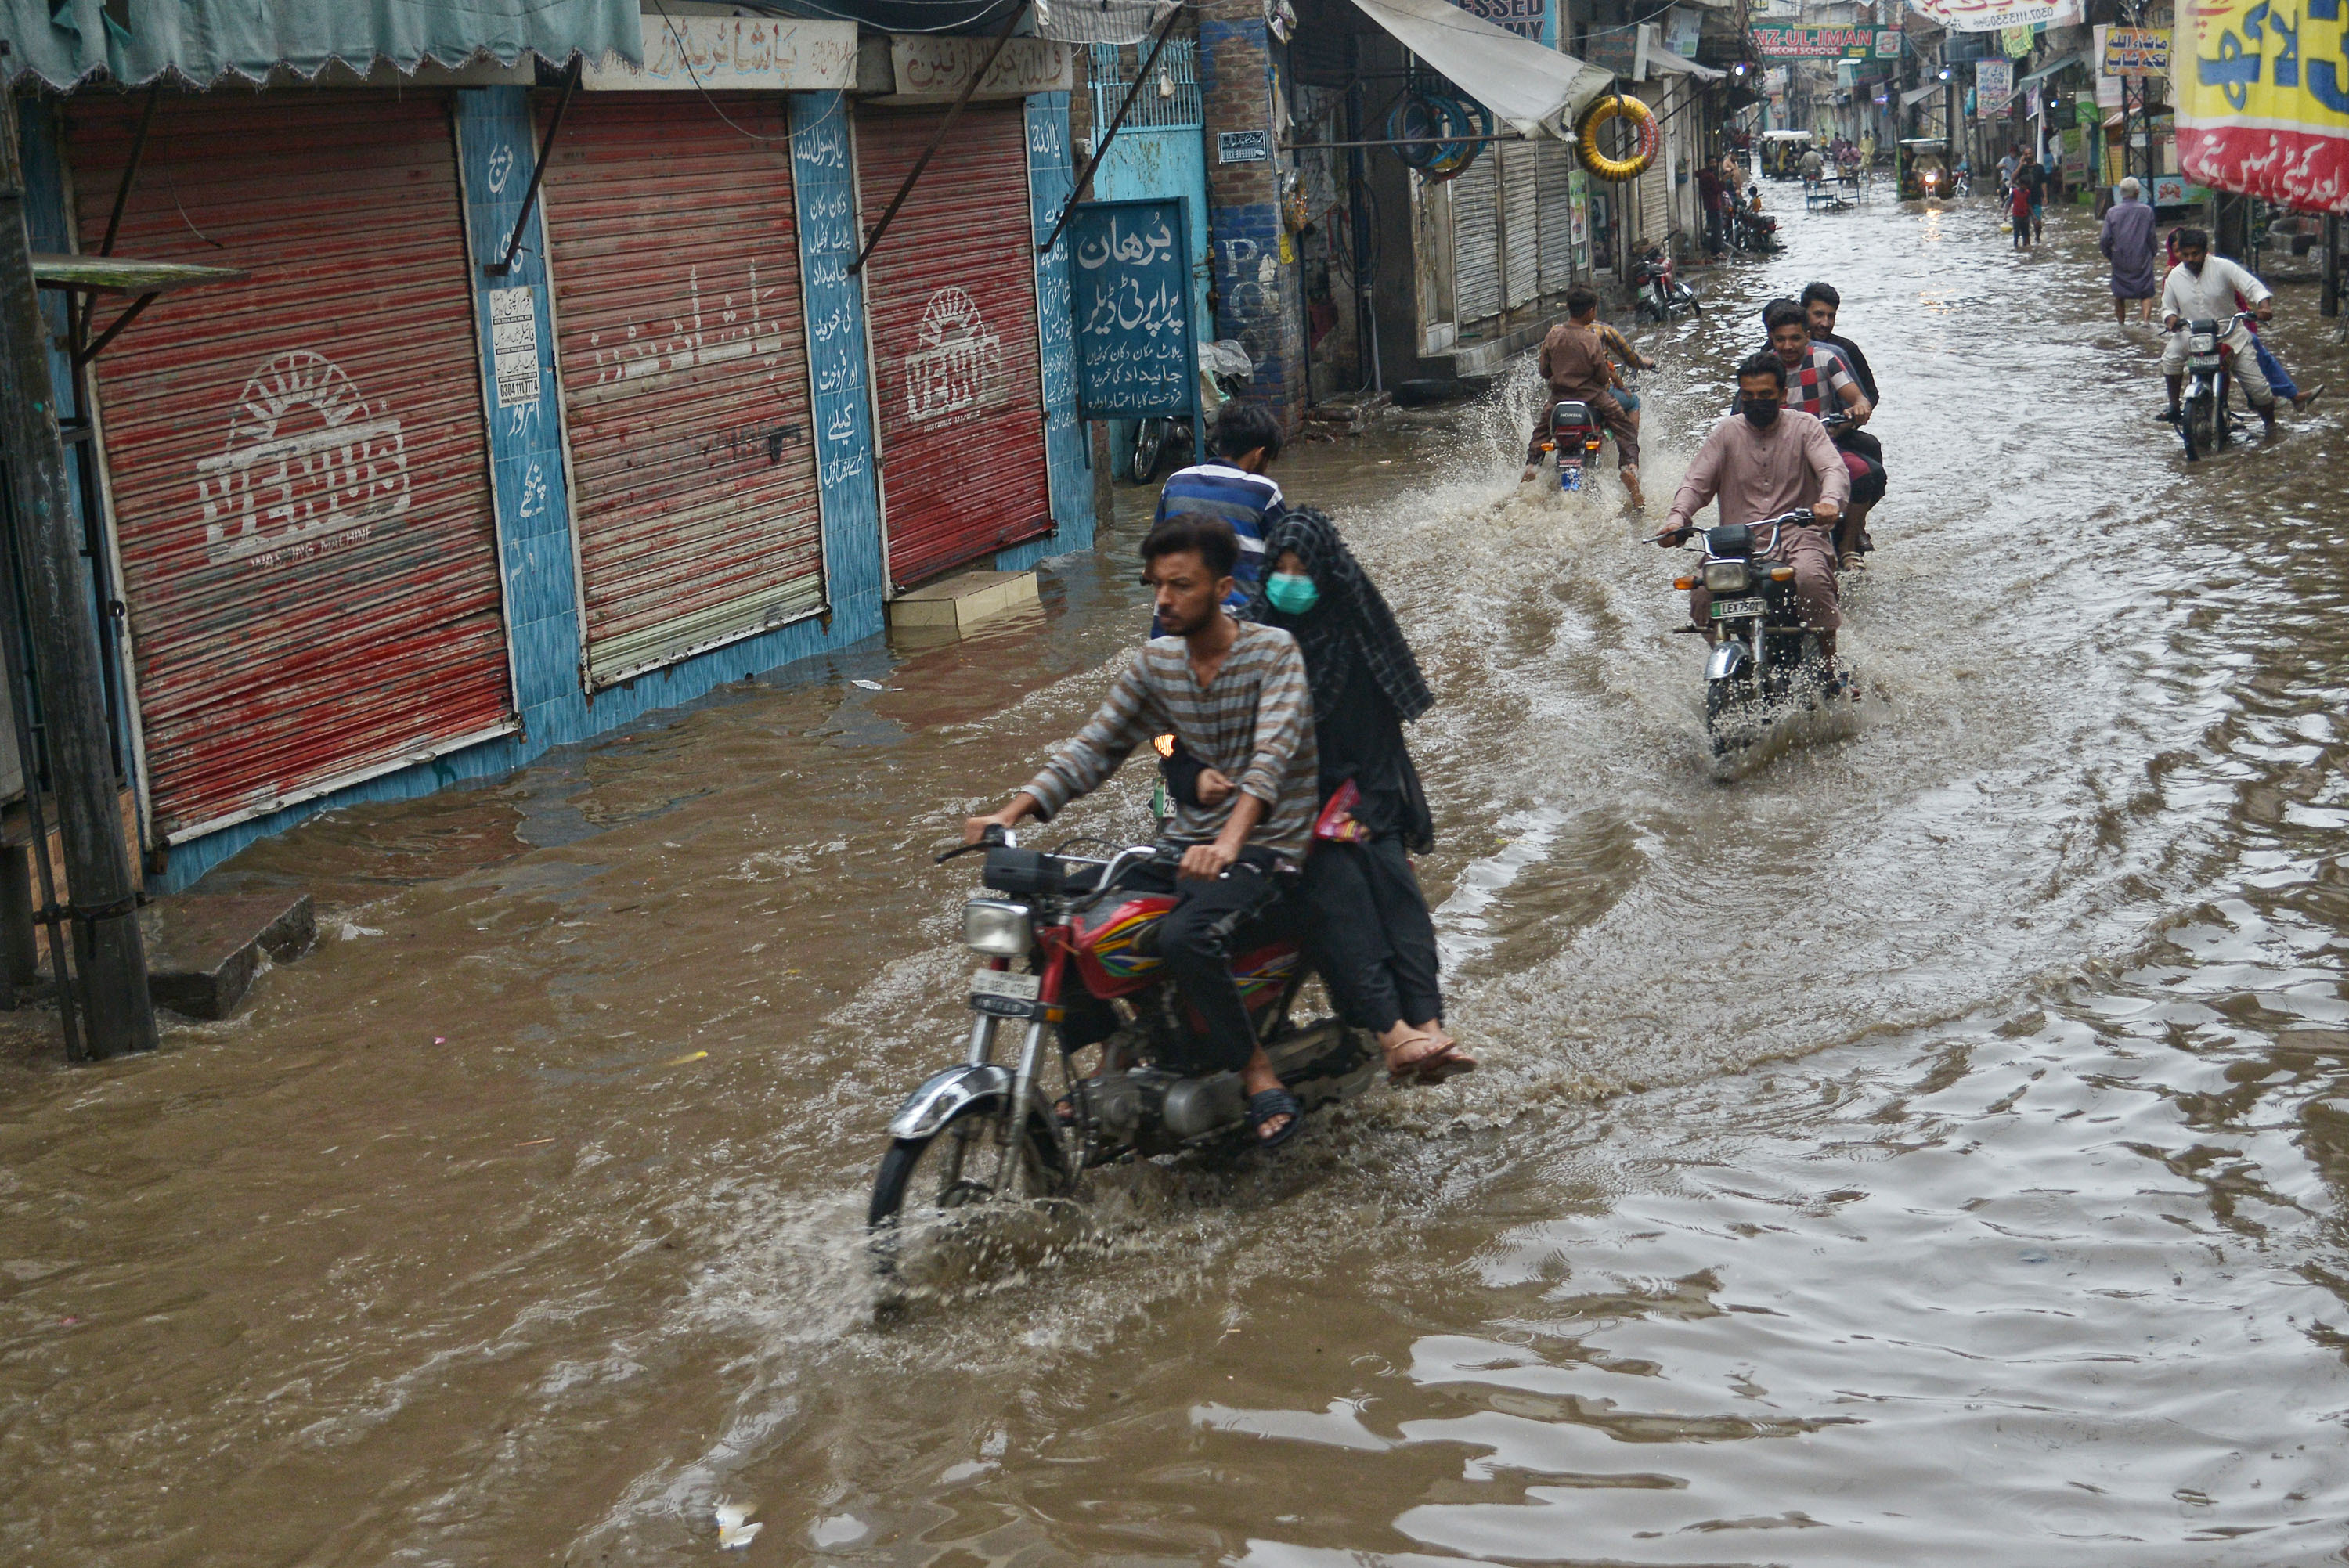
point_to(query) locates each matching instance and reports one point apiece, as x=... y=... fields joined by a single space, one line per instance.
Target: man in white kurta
x=2202 y=288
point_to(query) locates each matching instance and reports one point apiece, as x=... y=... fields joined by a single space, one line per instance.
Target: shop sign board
x=1130 y=264
x=2136 y=51
x=1774 y=42
x=2263 y=110
x=1996 y=15
x=712 y=54
x=1993 y=86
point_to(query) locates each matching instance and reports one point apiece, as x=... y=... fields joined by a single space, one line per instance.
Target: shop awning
x=1663 y=62
x=2044 y=72
x=1928 y=90
x=67 y=42
x=1529 y=86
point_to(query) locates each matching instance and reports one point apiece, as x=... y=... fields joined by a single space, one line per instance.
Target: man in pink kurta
x=1759 y=462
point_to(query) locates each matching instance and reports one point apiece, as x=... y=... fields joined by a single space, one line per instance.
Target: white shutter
x=1554 y=202
x=1475 y=241
x=1520 y=228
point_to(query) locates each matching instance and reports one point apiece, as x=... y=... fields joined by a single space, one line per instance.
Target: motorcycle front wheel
x=2198 y=426
x=926 y=1180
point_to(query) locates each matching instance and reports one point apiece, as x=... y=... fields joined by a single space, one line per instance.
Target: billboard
x=1993 y=86
x=2263 y=109
x=1994 y=16
x=1774 y=42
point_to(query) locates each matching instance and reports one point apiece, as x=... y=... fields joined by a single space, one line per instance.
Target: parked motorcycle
x=1575 y=434
x=1072 y=962
x=2205 y=422
x=1764 y=661
x=1752 y=231
x=1658 y=291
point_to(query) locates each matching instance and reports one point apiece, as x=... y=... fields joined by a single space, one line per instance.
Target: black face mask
x=1763 y=414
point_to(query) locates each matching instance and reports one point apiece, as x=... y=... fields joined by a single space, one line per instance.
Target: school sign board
x=2263 y=109
x=1773 y=42
x=1130 y=264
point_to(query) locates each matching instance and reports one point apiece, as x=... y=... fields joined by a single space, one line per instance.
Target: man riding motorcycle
x=1767 y=459
x=1575 y=364
x=2202 y=288
x=1820 y=382
x=1233 y=693
x=1821 y=304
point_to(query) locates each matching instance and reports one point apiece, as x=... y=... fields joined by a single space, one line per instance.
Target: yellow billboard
x=2262 y=91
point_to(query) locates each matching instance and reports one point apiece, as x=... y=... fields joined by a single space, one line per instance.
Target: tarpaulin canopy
x=65 y=42
x=1914 y=94
x=1661 y=62
x=1524 y=83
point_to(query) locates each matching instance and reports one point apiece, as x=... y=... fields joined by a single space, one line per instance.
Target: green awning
x=65 y=43
x=2044 y=72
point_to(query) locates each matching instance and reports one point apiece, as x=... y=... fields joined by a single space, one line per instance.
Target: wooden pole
x=119 y=1013
x=889 y=214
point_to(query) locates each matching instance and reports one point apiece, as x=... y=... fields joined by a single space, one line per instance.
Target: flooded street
x=1924 y=1148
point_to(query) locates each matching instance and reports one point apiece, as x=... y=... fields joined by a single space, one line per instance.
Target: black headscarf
x=1351 y=622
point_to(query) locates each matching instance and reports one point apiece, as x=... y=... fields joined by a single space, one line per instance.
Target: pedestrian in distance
x=2127 y=241
x=1366 y=919
x=2032 y=178
x=1233 y=486
x=2018 y=207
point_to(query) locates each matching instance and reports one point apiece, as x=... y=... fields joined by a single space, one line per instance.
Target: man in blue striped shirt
x=1234 y=486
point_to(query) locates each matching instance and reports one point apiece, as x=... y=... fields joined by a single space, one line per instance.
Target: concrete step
x=203 y=949
x=958 y=605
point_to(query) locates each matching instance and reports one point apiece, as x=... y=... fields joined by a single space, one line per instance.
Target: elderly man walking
x=2127 y=242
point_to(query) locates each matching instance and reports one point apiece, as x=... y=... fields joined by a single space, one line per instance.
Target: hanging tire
x=1617 y=105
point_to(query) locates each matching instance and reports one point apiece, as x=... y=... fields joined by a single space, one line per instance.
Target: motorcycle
x=1752 y=231
x=2205 y=422
x=1575 y=434
x=1072 y=959
x=1660 y=291
x=1763 y=660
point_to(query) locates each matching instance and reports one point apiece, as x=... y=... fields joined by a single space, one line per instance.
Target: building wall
x=1256 y=294
x=496 y=144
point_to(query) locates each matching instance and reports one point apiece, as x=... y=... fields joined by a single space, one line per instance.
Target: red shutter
x=952 y=296
x=685 y=374
x=299 y=462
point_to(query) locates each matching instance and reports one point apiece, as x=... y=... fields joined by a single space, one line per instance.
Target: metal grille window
x=1173 y=103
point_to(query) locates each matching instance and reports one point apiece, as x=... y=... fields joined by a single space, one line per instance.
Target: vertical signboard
x=2263 y=104
x=1130 y=264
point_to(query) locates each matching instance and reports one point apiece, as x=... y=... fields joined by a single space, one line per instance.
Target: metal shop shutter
x=1475 y=241
x=1520 y=229
x=952 y=293
x=682 y=343
x=299 y=461
x=1656 y=182
x=1554 y=199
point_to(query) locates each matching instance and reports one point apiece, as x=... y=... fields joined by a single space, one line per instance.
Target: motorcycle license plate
x=1009 y=984
x=1569 y=475
x=1737 y=609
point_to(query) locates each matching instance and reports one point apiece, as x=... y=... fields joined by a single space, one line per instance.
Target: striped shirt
x=1250 y=503
x=1254 y=726
x=1814 y=387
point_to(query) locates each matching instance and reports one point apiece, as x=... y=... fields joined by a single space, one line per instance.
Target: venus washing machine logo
x=956 y=360
x=309 y=465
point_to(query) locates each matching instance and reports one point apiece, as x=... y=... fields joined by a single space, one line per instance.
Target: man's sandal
x=1264 y=1106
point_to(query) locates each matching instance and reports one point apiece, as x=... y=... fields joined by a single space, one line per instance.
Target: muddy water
x=1924 y=1147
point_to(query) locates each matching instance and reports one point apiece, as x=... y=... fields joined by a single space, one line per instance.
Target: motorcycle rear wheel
x=1149 y=442
x=962 y=1159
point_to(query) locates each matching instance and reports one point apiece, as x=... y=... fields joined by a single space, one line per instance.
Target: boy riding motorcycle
x=1575 y=365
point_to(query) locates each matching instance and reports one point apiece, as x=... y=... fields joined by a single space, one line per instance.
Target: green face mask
x=1291 y=594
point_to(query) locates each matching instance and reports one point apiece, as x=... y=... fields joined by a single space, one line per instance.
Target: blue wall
x=496 y=142
x=1050 y=179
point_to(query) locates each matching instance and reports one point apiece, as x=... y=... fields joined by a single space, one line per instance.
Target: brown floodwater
x=1924 y=1147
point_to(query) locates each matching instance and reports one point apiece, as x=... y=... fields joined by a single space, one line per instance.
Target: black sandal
x=1265 y=1104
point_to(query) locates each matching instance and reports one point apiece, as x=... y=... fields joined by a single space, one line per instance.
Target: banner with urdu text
x=1996 y=15
x=2262 y=91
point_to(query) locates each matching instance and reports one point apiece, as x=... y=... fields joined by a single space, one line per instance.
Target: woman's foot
x=1409 y=1052
x=1449 y=1061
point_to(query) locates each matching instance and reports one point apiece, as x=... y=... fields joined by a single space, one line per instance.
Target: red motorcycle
x=1574 y=437
x=1072 y=960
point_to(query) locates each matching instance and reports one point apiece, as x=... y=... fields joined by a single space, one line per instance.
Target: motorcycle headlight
x=2202 y=343
x=1726 y=576
x=997 y=928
